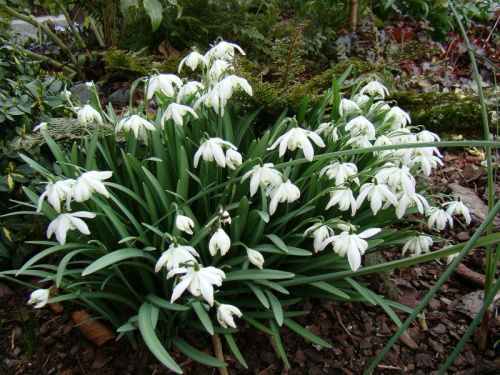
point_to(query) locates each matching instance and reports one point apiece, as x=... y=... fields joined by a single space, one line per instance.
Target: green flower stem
x=97 y=31
x=76 y=34
x=65 y=68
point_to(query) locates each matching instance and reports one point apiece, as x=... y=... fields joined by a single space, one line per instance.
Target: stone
x=81 y=93
x=25 y=30
x=120 y=96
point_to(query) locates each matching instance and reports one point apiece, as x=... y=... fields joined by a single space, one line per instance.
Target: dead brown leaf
x=94 y=330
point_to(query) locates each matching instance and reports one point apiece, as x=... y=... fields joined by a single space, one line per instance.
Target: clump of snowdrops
x=182 y=217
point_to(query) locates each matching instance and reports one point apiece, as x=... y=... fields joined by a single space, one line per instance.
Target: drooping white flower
x=39 y=298
x=184 y=224
x=341 y=172
x=417 y=245
x=262 y=175
x=376 y=193
x=175 y=255
x=439 y=217
x=218 y=69
x=451 y=258
x=225 y=315
x=193 y=60
x=190 y=88
x=87 y=115
x=361 y=126
x=65 y=222
x=360 y=99
x=255 y=257
x=320 y=233
x=136 y=124
x=351 y=244
x=232 y=82
x=298 y=138
x=223 y=50
x=233 y=159
x=344 y=198
x=198 y=280
x=284 y=192
x=397 y=177
x=427 y=136
x=211 y=149
x=212 y=99
x=40 y=127
x=66 y=94
x=360 y=141
x=219 y=241
x=176 y=112
x=328 y=130
x=55 y=193
x=348 y=106
x=458 y=208
x=405 y=201
x=425 y=158
x=90 y=182
x=383 y=140
x=374 y=88
x=90 y=85
x=398 y=117
x=162 y=83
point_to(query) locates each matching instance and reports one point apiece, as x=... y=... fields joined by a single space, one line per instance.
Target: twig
x=219 y=353
x=96 y=31
x=290 y=53
x=80 y=364
x=76 y=34
x=57 y=64
x=493 y=29
x=386 y=367
x=47 y=360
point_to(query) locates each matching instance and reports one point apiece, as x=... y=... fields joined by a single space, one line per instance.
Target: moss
x=121 y=60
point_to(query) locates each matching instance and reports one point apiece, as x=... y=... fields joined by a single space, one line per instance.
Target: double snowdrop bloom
x=405 y=201
x=65 y=222
x=262 y=176
x=458 y=208
x=175 y=255
x=347 y=106
x=184 y=224
x=284 y=192
x=55 y=193
x=213 y=100
x=190 y=88
x=374 y=88
x=218 y=69
x=198 y=280
x=439 y=218
x=320 y=234
x=39 y=298
x=40 y=127
x=87 y=115
x=224 y=217
x=298 y=138
x=341 y=172
x=425 y=158
x=211 y=149
x=193 y=60
x=360 y=99
x=230 y=83
x=162 y=83
x=377 y=193
x=177 y=112
x=90 y=182
x=137 y=125
x=360 y=141
x=399 y=117
x=224 y=51
x=344 y=198
x=417 y=245
x=397 y=177
x=255 y=257
x=219 y=241
x=225 y=315
x=233 y=159
x=361 y=126
x=351 y=244
x=427 y=136
x=328 y=131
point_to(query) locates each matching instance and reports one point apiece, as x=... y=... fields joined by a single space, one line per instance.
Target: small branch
x=96 y=31
x=76 y=34
x=290 y=54
x=65 y=68
x=466 y=273
x=219 y=353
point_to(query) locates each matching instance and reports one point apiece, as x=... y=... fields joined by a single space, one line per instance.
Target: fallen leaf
x=94 y=330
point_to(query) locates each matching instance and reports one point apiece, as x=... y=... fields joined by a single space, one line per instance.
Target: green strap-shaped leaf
x=265 y=274
x=277 y=341
x=203 y=316
x=305 y=333
x=276 y=307
x=115 y=257
x=234 y=348
x=164 y=304
x=278 y=242
x=195 y=354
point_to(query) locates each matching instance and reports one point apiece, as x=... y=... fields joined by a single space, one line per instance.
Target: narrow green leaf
x=259 y=294
x=276 y=307
x=278 y=242
x=203 y=316
x=196 y=354
x=115 y=257
x=277 y=341
x=257 y=275
x=164 y=304
x=305 y=333
x=234 y=348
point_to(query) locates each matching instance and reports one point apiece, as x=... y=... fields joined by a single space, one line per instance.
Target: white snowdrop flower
x=39 y=298
x=176 y=255
x=351 y=244
x=87 y=115
x=218 y=69
x=184 y=224
x=383 y=140
x=193 y=60
x=90 y=182
x=451 y=258
x=225 y=315
x=224 y=217
x=232 y=82
x=164 y=84
x=55 y=193
x=458 y=208
x=176 y=112
x=211 y=149
x=347 y=106
x=219 y=241
x=190 y=88
x=426 y=160
x=40 y=127
x=374 y=88
x=284 y=192
x=344 y=198
x=397 y=177
x=223 y=50
x=298 y=138
x=398 y=117
x=360 y=141
x=255 y=257
x=65 y=222
x=377 y=193
x=405 y=201
x=328 y=131
x=66 y=94
x=360 y=100
x=136 y=124
x=361 y=125
x=439 y=218
x=233 y=159
x=213 y=100
x=262 y=175
x=427 y=136
x=417 y=244
x=320 y=233
x=341 y=172
x=90 y=85
x=198 y=280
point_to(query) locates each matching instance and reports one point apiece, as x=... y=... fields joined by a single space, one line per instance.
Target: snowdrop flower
x=327 y=129
x=228 y=84
x=90 y=182
x=286 y=191
x=90 y=85
x=458 y=208
x=402 y=136
x=344 y=198
x=426 y=160
x=39 y=298
x=320 y=233
x=348 y=106
x=136 y=124
x=212 y=99
x=405 y=201
x=218 y=69
x=376 y=193
x=383 y=140
x=198 y=281
x=184 y=224
x=341 y=172
x=262 y=175
x=175 y=255
x=55 y=193
x=439 y=217
x=397 y=177
x=374 y=88
x=361 y=125
x=162 y=83
x=65 y=222
x=193 y=60
x=87 y=114
x=211 y=149
x=224 y=217
x=298 y=138
x=360 y=99
x=66 y=94
x=40 y=127
x=400 y=118
x=190 y=88
x=233 y=159
x=225 y=315
x=351 y=244
x=219 y=241
x=176 y=112
x=224 y=50
x=255 y=257
x=417 y=244
x=427 y=136
x=451 y=258
x=360 y=141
